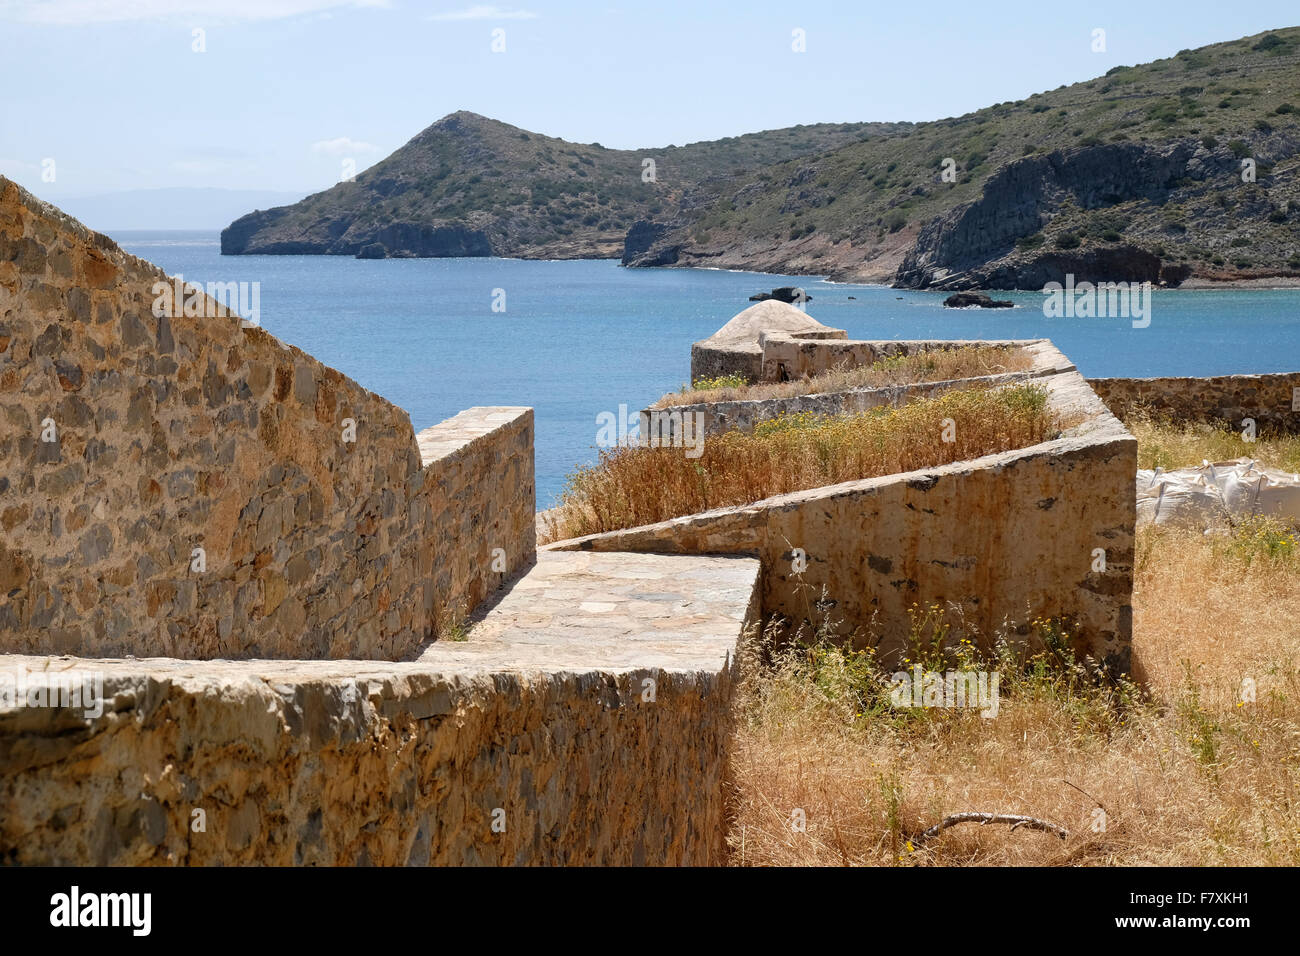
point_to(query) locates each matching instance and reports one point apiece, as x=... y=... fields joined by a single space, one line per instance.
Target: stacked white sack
x=1216 y=494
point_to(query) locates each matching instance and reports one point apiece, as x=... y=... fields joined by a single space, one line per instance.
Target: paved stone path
x=616 y=610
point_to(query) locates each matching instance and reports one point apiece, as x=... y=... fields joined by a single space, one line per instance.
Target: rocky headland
x=1171 y=172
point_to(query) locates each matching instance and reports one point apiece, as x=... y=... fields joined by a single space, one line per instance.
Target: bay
x=582 y=337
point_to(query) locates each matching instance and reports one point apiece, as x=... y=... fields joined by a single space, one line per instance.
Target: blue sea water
x=578 y=338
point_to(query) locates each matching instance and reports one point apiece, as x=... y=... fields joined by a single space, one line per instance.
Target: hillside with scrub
x=1135 y=174
x=1176 y=171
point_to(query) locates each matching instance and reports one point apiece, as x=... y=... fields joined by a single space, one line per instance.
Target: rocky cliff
x=1182 y=167
x=974 y=244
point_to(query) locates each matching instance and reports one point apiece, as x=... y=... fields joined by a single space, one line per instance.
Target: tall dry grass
x=936 y=365
x=1184 y=771
x=638 y=485
x=1161 y=445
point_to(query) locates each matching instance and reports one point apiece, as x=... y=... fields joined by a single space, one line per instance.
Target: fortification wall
x=185 y=485
x=1005 y=538
x=719 y=416
x=322 y=764
x=478 y=507
x=1272 y=400
x=787 y=357
x=555 y=736
x=735 y=348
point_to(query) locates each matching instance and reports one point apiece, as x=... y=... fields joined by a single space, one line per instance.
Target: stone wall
x=326 y=529
x=1273 y=400
x=535 y=745
x=1005 y=538
x=331 y=765
x=479 y=491
x=188 y=485
x=787 y=357
x=735 y=348
x=716 y=417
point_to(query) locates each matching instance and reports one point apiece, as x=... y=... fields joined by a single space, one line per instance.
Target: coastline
x=1195 y=284
x=845 y=277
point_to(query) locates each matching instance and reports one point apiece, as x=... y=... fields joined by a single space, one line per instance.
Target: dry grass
x=1174 y=446
x=637 y=485
x=937 y=365
x=1186 y=772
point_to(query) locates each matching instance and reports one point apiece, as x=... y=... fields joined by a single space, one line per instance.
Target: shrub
x=1067 y=240
x=1164 y=112
x=729 y=380
x=1263 y=538
x=1273 y=44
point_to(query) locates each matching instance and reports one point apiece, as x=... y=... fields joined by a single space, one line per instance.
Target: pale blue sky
x=112 y=91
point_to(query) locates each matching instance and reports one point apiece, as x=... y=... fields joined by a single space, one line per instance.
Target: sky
x=110 y=95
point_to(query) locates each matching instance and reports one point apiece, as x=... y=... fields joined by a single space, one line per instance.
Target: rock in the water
x=373 y=250
x=962 y=300
x=790 y=294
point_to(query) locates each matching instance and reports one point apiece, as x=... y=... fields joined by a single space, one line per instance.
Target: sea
x=578 y=338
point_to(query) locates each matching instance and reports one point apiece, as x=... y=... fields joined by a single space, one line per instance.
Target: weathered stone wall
x=318 y=764
x=176 y=432
x=735 y=348
x=536 y=743
x=1006 y=538
x=479 y=488
x=1273 y=400
x=787 y=357
x=717 y=417
x=714 y=418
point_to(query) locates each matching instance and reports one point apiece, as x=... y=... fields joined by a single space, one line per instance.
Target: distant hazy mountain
x=177 y=208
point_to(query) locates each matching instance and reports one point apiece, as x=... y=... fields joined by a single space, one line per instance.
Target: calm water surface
x=581 y=337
